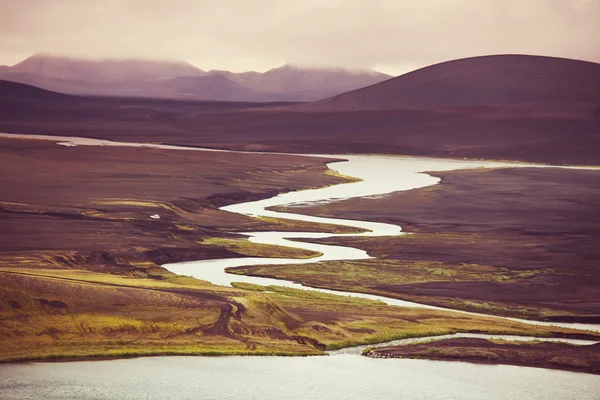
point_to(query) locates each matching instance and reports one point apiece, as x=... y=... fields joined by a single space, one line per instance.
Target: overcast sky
x=392 y=36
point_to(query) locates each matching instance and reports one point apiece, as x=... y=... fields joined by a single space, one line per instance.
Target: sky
x=392 y=36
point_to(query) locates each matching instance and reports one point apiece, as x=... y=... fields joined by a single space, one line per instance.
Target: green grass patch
x=247 y=248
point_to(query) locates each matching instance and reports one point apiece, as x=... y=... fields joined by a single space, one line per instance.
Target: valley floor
x=80 y=260
x=518 y=242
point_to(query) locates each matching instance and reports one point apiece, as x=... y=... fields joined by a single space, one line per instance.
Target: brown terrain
x=538 y=354
x=519 y=242
x=80 y=260
x=477 y=82
x=95 y=202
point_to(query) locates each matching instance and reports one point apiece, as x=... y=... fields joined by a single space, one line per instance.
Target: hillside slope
x=480 y=81
x=15 y=91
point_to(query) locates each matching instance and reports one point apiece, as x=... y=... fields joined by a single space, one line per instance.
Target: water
x=380 y=175
x=358 y=350
x=347 y=377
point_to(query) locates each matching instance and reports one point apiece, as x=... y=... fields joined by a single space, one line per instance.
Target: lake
x=263 y=378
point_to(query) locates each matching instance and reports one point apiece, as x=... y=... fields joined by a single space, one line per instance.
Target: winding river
x=402 y=173
x=347 y=375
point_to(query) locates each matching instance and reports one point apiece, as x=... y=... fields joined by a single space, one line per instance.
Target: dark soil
x=544 y=354
x=541 y=220
x=90 y=206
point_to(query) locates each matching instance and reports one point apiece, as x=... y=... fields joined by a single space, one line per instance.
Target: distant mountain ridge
x=179 y=79
x=496 y=80
x=107 y=70
x=293 y=79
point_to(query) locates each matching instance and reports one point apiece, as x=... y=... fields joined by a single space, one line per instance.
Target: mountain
x=178 y=79
x=498 y=80
x=209 y=87
x=305 y=84
x=108 y=70
x=214 y=86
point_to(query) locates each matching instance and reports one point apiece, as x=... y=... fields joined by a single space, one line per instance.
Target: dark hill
x=26 y=108
x=479 y=81
x=14 y=91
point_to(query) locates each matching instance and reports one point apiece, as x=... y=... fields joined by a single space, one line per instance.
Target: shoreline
x=556 y=356
x=329 y=352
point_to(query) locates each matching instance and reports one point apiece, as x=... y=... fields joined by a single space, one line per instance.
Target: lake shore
x=559 y=356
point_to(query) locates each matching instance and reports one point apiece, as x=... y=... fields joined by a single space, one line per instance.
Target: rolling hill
x=498 y=80
x=18 y=91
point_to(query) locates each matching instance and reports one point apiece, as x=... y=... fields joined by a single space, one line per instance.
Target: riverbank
x=93 y=206
x=70 y=306
x=86 y=230
x=542 y=354
x=512 y=242
x=65 y=314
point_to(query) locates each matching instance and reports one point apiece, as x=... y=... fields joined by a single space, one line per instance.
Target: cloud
x=241 y=34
